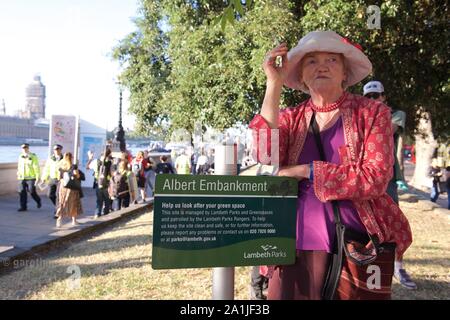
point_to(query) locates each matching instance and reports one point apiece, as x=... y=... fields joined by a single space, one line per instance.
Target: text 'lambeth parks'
x=174 y=184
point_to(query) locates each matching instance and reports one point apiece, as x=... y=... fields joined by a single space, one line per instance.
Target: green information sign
x=223 y=221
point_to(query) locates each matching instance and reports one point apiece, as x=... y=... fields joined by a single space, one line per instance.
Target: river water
x=12 y=153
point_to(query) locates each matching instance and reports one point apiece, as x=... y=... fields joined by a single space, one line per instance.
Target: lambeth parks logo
x=268 y=251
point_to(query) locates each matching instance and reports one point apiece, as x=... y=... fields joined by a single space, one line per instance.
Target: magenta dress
x=315 y=221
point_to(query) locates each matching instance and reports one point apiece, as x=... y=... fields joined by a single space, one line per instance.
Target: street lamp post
x=120 y=134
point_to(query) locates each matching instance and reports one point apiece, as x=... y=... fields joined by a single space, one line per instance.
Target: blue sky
x=68 y=43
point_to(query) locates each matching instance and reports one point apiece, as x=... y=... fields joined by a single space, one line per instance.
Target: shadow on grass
x=105 y=246
x=444 y=261
x=427 y=289
x=61 y=273
x=44 y=275
x=425 y=196
x=137 y=225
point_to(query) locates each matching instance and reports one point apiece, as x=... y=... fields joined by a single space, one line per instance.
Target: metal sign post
x=223 y=283
x=225 y=163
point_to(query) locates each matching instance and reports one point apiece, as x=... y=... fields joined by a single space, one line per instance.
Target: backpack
x=118 y=185
x=163 y=168
x=104 y=169
x=136 y=168
x=203 y=169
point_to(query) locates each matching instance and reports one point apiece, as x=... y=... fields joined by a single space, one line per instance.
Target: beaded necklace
x=329 y=107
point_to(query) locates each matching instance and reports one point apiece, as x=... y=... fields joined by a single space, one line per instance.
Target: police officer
x=27 y=175
x=51 y=173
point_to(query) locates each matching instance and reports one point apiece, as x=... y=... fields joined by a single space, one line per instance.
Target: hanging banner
x=223 y=221
x=63 y=131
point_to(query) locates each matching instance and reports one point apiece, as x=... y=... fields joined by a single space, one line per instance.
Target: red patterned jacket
x=367 y=160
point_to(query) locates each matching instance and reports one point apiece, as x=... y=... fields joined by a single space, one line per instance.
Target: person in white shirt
x=202 y=164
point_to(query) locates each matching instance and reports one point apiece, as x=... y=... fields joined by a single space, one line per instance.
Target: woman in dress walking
x=69 y=204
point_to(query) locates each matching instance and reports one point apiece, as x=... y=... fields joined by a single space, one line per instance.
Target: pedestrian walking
x=447 y=185
x=139 y=165
x=435 y=174
x=202 y=164
x=70 y=193
x=164 y=167
x=51 y=175
x=183 y=163
x=119 y=190
x=103 y=168
x=150 y=174
x=240 y=151
x=28 y=172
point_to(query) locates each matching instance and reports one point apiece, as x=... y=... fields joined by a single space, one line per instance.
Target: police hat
x=57 y=146
x=25 y=145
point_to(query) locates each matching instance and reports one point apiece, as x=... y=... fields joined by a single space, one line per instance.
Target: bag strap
x=336 y=263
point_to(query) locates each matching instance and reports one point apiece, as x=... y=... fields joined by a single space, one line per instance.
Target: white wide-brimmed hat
x=358 y=66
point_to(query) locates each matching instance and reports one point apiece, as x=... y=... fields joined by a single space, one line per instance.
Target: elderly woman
x=357 y=142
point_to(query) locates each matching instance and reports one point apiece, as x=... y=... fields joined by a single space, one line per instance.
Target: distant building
x=35 y=100
x=31 y=125
x=17 y=130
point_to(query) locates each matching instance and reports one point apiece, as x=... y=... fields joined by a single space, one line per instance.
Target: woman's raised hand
x=276 y=74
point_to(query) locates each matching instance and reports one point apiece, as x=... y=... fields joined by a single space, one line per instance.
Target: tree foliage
x=409 y=52
x=146 y=67
x=184 y=64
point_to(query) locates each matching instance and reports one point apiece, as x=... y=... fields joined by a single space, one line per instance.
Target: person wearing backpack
x=164 y=167
x=138 y=167
x=119 y=190
x=102 y=174
x=149 y=171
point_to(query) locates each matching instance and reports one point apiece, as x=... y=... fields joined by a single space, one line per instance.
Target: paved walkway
x=22 y=232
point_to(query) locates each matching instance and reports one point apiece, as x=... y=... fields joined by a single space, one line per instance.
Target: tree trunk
x=425 y=147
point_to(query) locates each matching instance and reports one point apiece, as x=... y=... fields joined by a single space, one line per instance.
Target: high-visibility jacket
x=182 y=164
x=51 y=169
x=102 y=171
x=28 y=167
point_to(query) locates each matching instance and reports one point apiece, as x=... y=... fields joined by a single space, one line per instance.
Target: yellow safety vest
x=51 y=169
x=28 y=167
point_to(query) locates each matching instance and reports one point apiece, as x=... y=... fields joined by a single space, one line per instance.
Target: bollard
x=225 y=161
